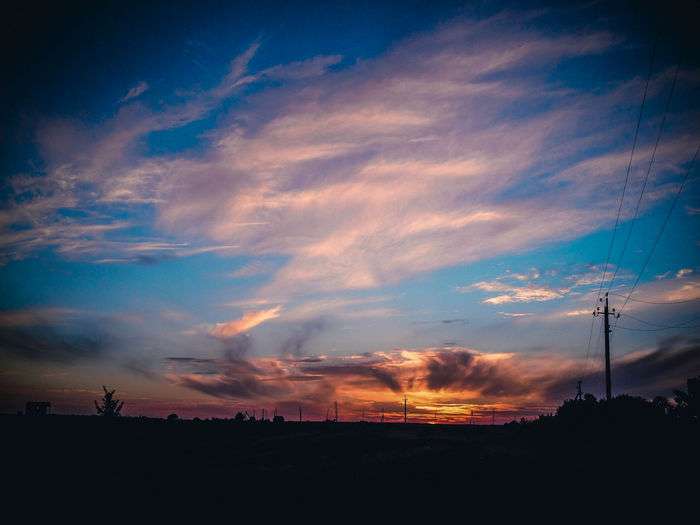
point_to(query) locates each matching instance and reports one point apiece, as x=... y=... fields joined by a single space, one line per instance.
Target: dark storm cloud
x=669 y=365
x=141 y=367
x=380 y=375
x=295 y=343
x=46 y=343
x=237 y=347
x=189 y=360
x=466 y=371
x=243 y=386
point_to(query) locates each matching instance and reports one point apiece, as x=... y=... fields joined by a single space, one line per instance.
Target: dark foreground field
x=309 y=465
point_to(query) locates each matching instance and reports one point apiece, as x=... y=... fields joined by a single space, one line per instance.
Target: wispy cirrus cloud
x=365 y=174
x=249 y=320
x=509 y=293
x=136 y=91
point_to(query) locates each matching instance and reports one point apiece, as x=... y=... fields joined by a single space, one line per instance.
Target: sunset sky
x=280 y=204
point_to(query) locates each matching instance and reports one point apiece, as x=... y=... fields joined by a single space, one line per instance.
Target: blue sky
x=199 y=203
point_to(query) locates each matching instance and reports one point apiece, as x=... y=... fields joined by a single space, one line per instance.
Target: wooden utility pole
x=299 y=413
x=336 y=411
x=606 y=313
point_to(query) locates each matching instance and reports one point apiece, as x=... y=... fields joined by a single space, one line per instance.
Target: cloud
x=53 y=344
x=136 y=91
x=245 y=323
x=456 y=377
x=683 y=272
x=462 y=370
x=383 y=377
x=361 y=174
x=37 y=317
x=513 y=293
x=254 y=268
x=648 y=373
x=295 y=343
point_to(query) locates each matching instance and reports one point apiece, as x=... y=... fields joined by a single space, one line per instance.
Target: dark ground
x=311 y=465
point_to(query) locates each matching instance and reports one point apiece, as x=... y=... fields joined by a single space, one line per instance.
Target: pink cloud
x=374 y=172
x=245 y=323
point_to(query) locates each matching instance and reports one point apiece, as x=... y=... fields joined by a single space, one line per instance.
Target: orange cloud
x=245 y=323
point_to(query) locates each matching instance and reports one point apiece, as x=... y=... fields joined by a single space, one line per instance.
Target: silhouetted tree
x=173 y=417
x=688 y=403
x=110 y=407
x=239 y=417
x=662 y=405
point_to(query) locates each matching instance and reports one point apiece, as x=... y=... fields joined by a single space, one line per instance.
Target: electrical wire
x=661 y=231
x=656 y=329
x=634 y=300
x=646 y=176
x=663 y=326
x=624 y=189
x=629 y=167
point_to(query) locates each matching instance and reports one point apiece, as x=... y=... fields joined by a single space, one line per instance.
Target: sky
x=233 y=207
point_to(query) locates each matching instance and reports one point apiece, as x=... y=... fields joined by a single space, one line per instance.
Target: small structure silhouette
x=37 y=408
x=110 y=407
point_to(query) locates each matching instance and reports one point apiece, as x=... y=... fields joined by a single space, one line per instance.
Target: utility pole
x=299 y=413
x=382 y=415
x=606 y=313
x=405 y=413
x=579 y=392
x=493 y=416
x=336 y=411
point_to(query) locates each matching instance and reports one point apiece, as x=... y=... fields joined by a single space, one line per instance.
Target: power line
x=663 y=228
x=656 y=302
x=588 y=349
x=662 y=325
x=657 y=329
x=622 y=197
x=646 y=176
x=629 y=167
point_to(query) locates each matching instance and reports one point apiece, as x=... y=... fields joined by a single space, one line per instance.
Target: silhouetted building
x=37 y=408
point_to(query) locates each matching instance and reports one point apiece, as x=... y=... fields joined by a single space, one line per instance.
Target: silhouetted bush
x=110 y=407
